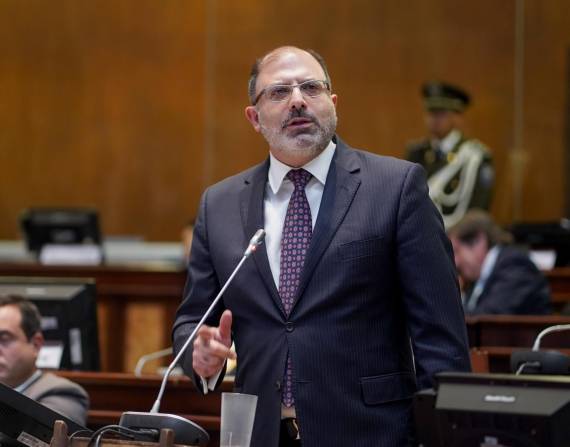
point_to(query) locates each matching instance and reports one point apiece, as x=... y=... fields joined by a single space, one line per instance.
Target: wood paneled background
x=135 y=106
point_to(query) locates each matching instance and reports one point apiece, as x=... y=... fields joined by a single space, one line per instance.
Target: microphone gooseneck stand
x=186 y=432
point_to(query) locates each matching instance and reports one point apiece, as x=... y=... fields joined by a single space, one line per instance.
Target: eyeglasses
x=280 y=92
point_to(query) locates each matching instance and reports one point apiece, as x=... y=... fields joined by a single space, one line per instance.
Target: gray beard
x=308 y=143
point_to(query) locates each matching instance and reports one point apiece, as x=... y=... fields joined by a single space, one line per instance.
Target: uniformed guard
x=460 y=171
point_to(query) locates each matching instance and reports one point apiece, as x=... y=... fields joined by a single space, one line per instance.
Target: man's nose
x=297 y=100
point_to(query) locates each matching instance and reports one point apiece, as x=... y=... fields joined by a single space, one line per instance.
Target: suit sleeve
x=201 y=288
x=436 y=323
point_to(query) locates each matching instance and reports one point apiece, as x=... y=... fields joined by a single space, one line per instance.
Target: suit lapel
x=340 y=188
x=251 y=206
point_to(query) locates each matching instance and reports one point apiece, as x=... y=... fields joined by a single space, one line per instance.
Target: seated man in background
x=496 y=278
x=20 y=342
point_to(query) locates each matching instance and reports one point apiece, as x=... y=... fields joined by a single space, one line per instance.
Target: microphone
x=536 y=361
x=143 y=359
x=186 y=432
x=254 y=242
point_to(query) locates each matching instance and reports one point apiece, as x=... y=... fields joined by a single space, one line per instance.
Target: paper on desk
x=543 y=259
x=50 y=355
x=56 y=254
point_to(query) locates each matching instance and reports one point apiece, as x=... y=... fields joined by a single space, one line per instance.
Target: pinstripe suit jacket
x=377 y=313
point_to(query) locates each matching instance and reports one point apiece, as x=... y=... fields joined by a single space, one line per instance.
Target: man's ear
x=253 y=117
x=37 y=340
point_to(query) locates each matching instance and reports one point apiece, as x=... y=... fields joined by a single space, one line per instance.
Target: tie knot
x=299 y=177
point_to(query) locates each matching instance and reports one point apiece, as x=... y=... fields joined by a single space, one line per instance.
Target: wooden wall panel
x=379 y=53
x=547 y=40
x=102 y=105
x=134 y=106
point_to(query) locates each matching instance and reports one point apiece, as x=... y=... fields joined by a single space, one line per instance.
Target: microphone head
x=257 y=237
x=256 y=240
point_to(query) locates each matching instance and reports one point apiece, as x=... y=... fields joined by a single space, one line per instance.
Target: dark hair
x=31 y=318
x=256 y=69
x=476 y=222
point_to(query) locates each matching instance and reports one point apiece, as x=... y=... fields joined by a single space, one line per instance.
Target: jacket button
x=278 y=385
x=289 y=326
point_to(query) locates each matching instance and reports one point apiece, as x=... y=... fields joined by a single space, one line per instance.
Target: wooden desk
x=137 y=303
x=136 y=306
x=515 y=330
x=114 y=393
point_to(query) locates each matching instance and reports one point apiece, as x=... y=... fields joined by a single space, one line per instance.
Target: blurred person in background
x=497 y=278
x=20 y=342
x=460 y=170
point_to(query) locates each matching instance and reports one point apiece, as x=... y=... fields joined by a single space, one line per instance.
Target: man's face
x=440 y=122
x=469 y=257
x=17 y=353
x=300 y=127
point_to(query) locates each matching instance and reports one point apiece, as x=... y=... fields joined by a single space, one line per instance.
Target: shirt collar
x=489 y=263
x=318 y=167
x=24 y=385
x=486 y=269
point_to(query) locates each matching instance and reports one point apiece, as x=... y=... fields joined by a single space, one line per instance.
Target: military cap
x=442 y=96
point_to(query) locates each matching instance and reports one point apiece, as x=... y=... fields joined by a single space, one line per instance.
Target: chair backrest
x=479 y=361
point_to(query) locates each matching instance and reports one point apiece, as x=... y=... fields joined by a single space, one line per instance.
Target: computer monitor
x=500 y=410
x=69 y=318
x=25 y=422
x=60 y=226
x=553 y=236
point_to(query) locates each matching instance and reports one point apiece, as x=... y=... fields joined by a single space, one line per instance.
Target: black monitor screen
x=503 y=410
x=25 y=422
x=545 y=235
x=42 y=226
x=69 y=318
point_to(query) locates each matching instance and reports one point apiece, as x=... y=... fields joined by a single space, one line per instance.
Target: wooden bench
x=515 y=330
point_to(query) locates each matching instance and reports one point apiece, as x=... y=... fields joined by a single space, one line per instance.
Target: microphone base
x=185 y=432
x=541 y=362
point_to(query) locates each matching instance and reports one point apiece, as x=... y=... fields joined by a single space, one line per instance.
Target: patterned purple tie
x=297 y=231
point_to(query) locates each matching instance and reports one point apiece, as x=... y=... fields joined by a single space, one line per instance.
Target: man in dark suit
x=20 y=342
x=352 y=303
x=460 y=170
x=498 y=279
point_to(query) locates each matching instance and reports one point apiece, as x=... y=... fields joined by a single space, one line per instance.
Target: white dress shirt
x=278 y=191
